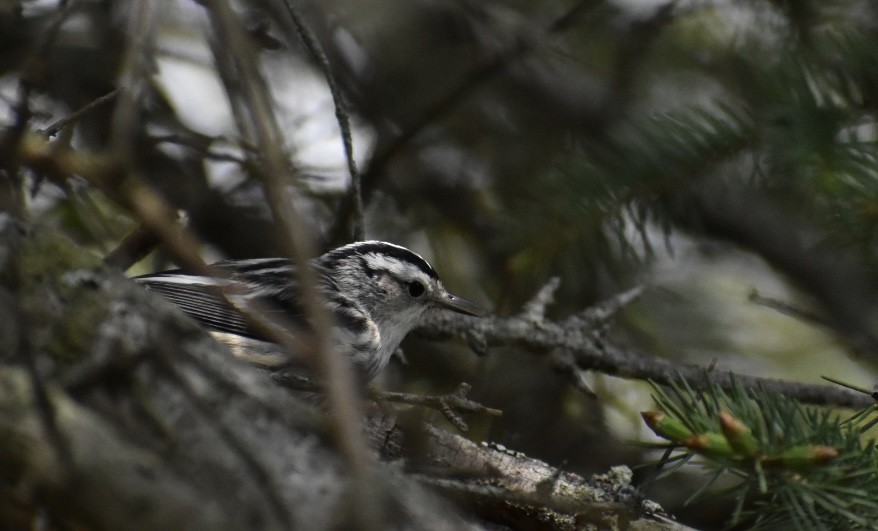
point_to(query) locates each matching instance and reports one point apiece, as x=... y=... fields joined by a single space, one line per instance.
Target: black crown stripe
x=400 y=253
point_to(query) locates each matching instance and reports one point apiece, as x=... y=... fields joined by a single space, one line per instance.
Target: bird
x=375 y=291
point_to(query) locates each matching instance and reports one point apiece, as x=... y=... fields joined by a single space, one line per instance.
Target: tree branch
x=307 y=36
x=238 y=66
x=511 y=487
x=577 y=343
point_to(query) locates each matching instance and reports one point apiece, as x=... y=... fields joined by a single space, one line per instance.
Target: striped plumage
x=376 y=291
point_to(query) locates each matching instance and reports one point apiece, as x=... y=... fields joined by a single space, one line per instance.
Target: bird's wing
x=270 y=282
x=201 y=299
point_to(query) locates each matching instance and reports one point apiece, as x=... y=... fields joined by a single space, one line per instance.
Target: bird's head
x=394 y=285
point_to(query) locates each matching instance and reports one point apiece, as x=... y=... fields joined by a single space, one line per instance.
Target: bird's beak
x=460 y=305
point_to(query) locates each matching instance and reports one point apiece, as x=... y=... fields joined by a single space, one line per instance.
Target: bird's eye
x=416 y=289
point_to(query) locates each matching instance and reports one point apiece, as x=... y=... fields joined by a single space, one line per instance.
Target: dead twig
x=448 y=404
x=585 y=348
x=341 y=114
x=73 y=117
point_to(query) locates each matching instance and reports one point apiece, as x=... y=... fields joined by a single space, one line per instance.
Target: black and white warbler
x=376 y=291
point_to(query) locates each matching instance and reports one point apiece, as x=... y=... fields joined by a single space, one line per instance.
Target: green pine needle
x=813 y=469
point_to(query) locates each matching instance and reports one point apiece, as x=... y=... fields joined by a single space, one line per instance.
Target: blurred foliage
x=608 y=194
x=507 y=141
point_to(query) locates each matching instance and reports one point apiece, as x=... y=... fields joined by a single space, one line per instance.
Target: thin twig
x=139 y=243
x=54 y=128
x=233 y=50
x=201 y=143
x=159 y=215
x=566 y=364
x=788 y=309
x=852 y=387
x=31 y=76
x=341 y=114
x=136 y=67
x=447 y=404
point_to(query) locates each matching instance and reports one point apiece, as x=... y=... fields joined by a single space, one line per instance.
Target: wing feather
x=204 y=303
x=267 y=281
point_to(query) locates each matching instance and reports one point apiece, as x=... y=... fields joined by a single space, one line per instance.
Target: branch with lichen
x=578 y=344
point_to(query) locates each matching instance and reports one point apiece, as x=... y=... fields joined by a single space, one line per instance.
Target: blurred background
x=720 y=154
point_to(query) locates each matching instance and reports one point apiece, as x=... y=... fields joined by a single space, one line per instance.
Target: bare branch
x=498 y=480
x=341 y=114
x=577 y=347
x=447 y=404
x=73 y=117
x=139 y=243
x=238 y=65
x=788 y=309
